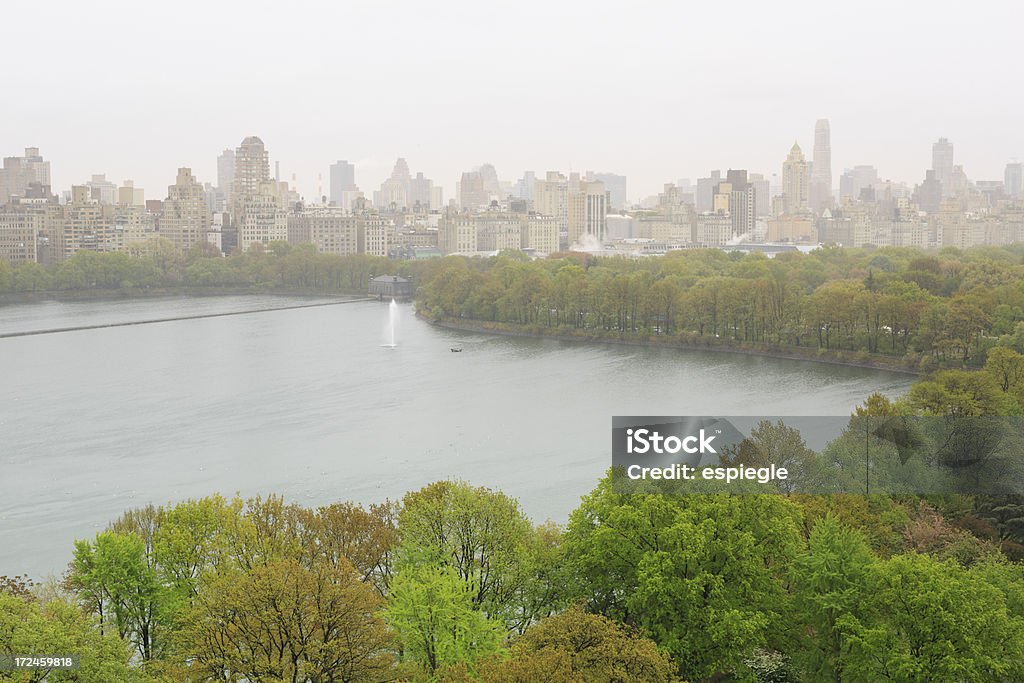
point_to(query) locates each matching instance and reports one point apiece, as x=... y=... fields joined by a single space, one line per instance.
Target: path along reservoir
x=313 y=403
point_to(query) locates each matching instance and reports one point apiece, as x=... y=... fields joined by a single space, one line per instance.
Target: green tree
x=830 y=580
x=56 y=627
x=929 y=620
x=703 y=575
x=482 y=535
x=433 y=612
x=115 y=582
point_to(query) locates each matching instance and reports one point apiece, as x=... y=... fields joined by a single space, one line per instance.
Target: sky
x=656 y=91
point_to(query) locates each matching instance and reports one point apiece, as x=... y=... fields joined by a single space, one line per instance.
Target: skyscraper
x=821 y=174
x=856 y=180
x=473 y=194
x=587 y=213
x=226 y=171
x=185 y=218
x=795 y=181
x=394 y=192
x=706 y=188
x=551 y=198
x=252 y=168
x=343 y=179
x=20 y=173
x=616 y=185
x=257 y=212
x=742 y=204
x=1013 y=179
x=942 y=164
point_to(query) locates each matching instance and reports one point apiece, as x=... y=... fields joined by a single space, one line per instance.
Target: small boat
x=456 y=349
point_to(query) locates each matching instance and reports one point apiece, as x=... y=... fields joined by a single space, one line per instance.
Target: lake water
x=310 y=404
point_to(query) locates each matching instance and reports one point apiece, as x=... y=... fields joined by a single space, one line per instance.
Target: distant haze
x=657 y=91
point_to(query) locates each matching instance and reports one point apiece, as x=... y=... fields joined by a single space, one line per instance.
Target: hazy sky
x=653 y=90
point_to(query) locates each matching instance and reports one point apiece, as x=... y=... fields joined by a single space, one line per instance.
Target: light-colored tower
x=252 y=169
x=821 y=175
x=185 y=218
x=795 y=181
x=19 y=174
x=587 y=213
x=942 y=164
x=551 y=198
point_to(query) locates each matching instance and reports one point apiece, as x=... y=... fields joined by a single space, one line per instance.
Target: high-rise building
x=101 y=189
x=616 y=186
x=19 y=174
x=226 y=171
x=343 y=179
x=456 y=233
x=130 y=195
x=185 y=218
x=706 y=188
x=928 y=195
x=526 y=185
x=393 y=194
x=821 y=173
x=740 y=199
x=942 y=164
x=421 y=194
x=1013 y=180
x=762 y=194
x=855 y=180
x=251 y=170
x=551 y=198
x=473 y=194
x=587 y=213
x=260 y=217
x=795 y=182
x=21 y=223
x=332 y=229
x=492 y=186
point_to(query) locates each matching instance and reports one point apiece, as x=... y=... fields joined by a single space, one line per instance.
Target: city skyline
x=573 y=87
x=946 y=160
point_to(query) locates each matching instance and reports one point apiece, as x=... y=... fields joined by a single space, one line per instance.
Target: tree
x=282 y=621
x=830 y=583
x=346 y=532
x=577 y=647
x=115 y=582
x=1007 y=367
x=482 y=535
x=432 y=610
x=959 y=393
x=56 y=627
x=702 y=575
x=928 y=620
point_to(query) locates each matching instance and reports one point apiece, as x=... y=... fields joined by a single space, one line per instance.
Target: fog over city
x=661 y=92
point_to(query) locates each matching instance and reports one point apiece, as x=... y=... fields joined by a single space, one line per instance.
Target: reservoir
x=316 y=405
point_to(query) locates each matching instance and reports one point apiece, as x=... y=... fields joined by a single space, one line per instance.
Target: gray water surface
x=310 y=404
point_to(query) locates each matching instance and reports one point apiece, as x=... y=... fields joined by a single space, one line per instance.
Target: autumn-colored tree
x=577 y=647
x=282 y=621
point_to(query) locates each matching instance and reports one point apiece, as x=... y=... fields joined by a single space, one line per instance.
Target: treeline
x=454 y=583
x=927 y=310
x=158 y=264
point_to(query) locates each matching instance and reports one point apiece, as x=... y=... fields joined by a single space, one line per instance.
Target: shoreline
x=14 y=298
x=197 y=316
x=673 y=343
